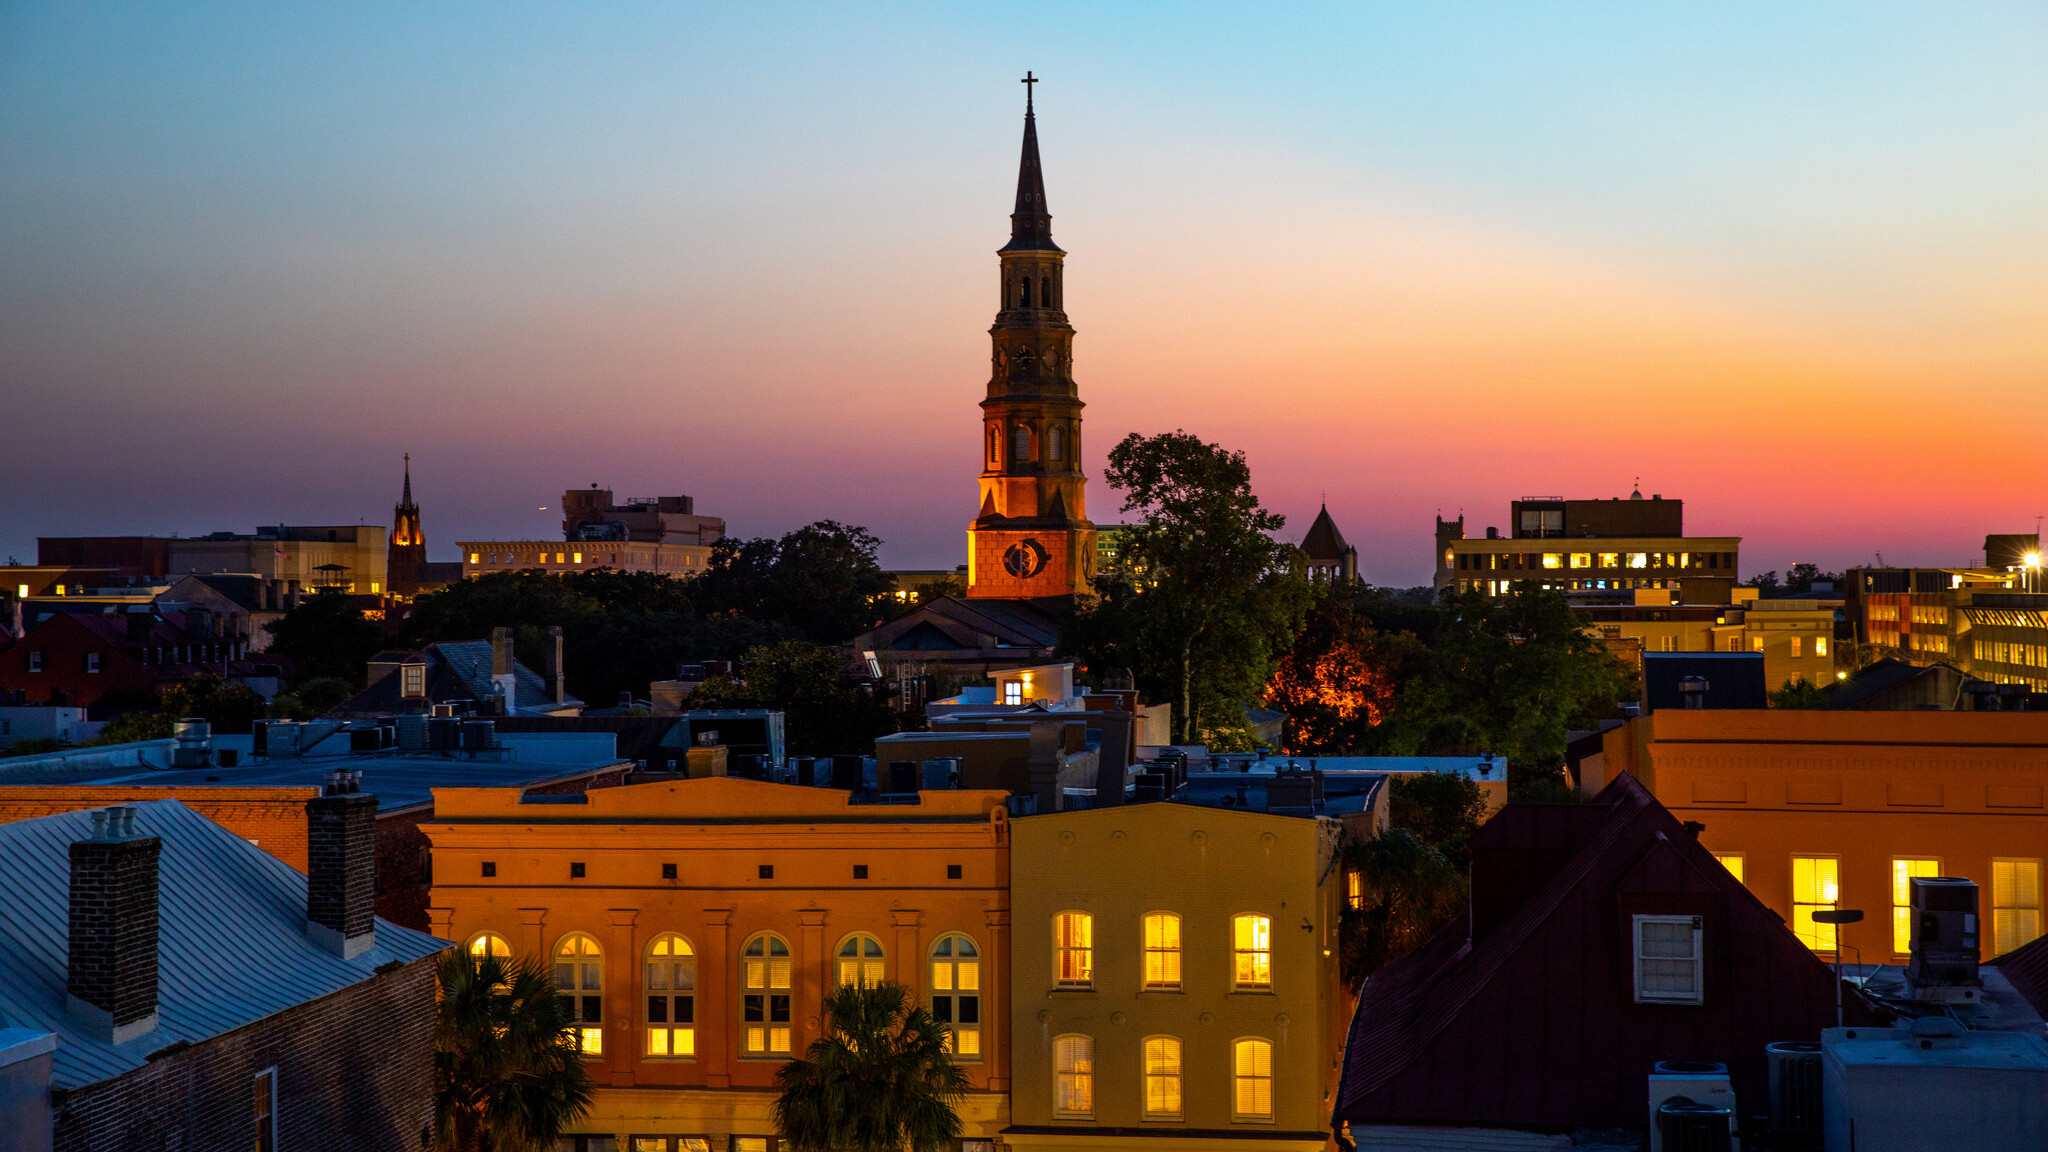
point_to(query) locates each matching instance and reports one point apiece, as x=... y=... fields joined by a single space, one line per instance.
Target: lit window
x=1252 y=938
x=1820 y=645
x=1733 y=863
x=1903 y=872
x=373 y=587
x=1013 y=692
x=1795 y=647
x=1162 y=950
x=750 y=1144
x=956 y=995
x=1553 y=560
x=21 y=592
x=1073 y=1093
x=1756 y=643
x=490 y=945
x=671 y=997
x=2015 y=903
x=1073 y=935
x=764 y=1007
x=475 y=557
x=579 y=980
x=1252 y=1076
x=1354 y=889
x=1814 y=887
x=1582 y=559
x=1668 y=959
x=860 y=960
x=575 y=557
x=1639 y=560
x=1610 y=559
x=1162 y=1078
x=265 y=1115
x=558 y=558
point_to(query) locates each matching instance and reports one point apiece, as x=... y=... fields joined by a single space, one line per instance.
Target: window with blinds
x=1668 y=967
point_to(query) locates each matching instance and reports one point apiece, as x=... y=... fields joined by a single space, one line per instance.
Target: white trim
x=1698 y=993
x=257 y=1079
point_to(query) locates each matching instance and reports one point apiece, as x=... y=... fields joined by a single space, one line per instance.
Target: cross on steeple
x=1027 y=82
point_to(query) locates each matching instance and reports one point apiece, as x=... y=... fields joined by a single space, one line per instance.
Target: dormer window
x=412 y=683
x=1667 y=950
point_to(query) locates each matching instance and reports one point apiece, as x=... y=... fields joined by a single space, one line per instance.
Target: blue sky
x=1788 y=262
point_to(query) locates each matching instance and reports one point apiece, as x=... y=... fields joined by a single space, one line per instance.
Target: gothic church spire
x=1030 y=224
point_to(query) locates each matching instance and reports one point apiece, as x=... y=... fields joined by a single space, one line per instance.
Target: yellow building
x=1174 y=979
x=480 y=557
x=1796 y=637
x=698 y=924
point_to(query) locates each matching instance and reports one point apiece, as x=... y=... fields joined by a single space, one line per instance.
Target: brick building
x=203 y=996
x=76 y=659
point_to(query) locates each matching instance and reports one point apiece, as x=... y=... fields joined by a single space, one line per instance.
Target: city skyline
x=1788 y=267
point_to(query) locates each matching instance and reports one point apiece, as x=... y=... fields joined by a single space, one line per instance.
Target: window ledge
x=1162 y=991
x=1058 y=989
x=1251 y=992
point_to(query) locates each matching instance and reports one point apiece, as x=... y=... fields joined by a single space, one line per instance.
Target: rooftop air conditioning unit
x=1795 y=1087
x=1943 y=965
x=1703 y=1083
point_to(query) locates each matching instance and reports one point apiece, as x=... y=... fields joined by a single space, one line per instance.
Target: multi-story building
x=78 y=659
x=349 y=558
x=698 y=925
x=1174 y=979
x=168 y=985
x=1840 y=809
x=1599 y=551
x=1991 y=623
x=661 y=534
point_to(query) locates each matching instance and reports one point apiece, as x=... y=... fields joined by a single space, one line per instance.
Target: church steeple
x=1030 y=224
x=407 y=549
x=1032 y=537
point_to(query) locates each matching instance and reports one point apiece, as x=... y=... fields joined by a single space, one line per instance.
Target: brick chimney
x=341 y=866
x=113 y=942
x=555 y=674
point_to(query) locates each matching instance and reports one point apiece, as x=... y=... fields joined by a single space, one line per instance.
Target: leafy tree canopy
x=879 y=1080
x=1407 y=892
x=1798 y=694
x=1202 y=600
x=327 y=637
x=1440 y=809
x=822 y=581
x=827 y=710
x=232 y=709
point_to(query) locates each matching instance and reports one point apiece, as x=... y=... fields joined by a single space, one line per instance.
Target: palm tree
x=879 y=1080
x=1407 y=892
x=507 y=1076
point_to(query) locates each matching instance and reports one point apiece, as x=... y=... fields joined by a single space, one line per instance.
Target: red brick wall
x=63 y=679
x=355 y=1073
x=275 y=818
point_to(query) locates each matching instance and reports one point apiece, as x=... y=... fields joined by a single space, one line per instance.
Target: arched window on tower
x=1026 y=303
x=1020 y=445
x=1045 y=292
x=1055 y=443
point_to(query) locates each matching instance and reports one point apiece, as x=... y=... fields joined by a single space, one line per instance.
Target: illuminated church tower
x=1032 y=537
x=408 y=549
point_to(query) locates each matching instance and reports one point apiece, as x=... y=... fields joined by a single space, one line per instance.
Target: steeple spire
x=1030 y=224
x=406 y=501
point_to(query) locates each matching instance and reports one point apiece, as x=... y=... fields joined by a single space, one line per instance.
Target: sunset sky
x=1788 y=262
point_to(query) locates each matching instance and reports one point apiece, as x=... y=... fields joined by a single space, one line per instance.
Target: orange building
x=1816 y=809
x=698 y=924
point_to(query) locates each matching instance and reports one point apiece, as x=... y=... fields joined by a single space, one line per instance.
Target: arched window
x=1162 y=950
x=860 y=960
x=1073 y=1091
x=579 y=981
x=764 y=1003
x=995 y=447
x=1251 y=1068
x=1055 y=443
x=956 y=995
x=1045 y=292
x=1252 y=944
x=1026 y=301
x=1020 y=444
x=1073 y=938
x=1162 y=1078
x=489 y=945
x=671 y=997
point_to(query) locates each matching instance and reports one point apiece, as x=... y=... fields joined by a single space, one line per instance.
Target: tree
x=1339 y=679
x=1407 y=892
x=1203 y=599
x=1441 y=809
x=827 y=711
x=879 y=1079
x=821 y=581
x=327 y=636
x=1798 y=694
x=231 y=709
x=312 y=699
x=507 y=1075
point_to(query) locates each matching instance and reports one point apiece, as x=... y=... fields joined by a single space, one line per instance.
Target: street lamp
x=1838 y=916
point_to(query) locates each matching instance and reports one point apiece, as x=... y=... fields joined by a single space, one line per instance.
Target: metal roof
x=232 y=938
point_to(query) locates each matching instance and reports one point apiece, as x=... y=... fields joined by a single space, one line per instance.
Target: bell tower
x=1032 y=537
x=407 y=551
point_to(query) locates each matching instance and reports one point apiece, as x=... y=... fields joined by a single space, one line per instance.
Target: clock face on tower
x=1025 y=559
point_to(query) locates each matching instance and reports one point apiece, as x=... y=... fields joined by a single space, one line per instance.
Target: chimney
x=555 y=674
x=502 y=676
x=341 y=866
x=113 y=942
